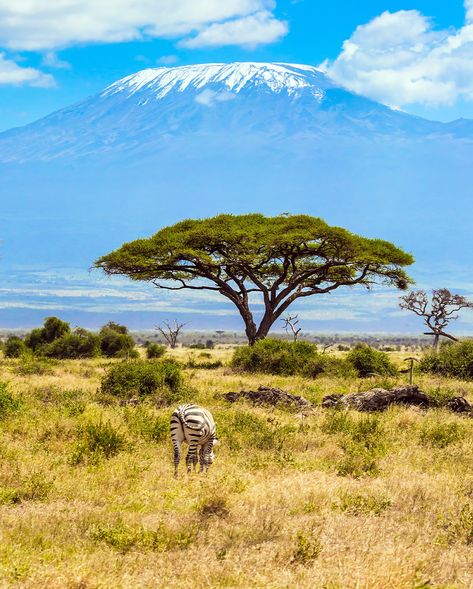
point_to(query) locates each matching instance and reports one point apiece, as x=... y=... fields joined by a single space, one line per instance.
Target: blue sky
x=411 y=54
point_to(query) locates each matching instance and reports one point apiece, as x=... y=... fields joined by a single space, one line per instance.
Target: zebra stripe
x=195 y=426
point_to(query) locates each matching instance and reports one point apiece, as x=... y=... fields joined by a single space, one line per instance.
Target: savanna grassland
x=334 y=500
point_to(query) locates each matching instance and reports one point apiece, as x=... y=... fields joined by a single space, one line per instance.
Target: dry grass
x=332 y=501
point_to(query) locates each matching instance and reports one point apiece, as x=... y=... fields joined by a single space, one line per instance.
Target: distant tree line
x=56 y=339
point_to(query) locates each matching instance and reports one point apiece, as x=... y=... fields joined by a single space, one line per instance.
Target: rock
x=459 y=405
x=379 y=399
x=269 y=396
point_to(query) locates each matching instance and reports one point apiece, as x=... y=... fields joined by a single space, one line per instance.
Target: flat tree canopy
x=281 y=259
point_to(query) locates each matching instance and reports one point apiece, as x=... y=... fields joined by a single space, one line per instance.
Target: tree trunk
x=436 y=342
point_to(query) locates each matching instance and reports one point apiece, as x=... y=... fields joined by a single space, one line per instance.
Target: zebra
x=196 y=426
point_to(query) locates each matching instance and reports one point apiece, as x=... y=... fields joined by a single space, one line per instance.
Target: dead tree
x=170 y=332
x=290 y=323
x=437 y=313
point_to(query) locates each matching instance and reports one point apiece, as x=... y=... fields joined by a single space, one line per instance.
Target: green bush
x=155 y=351
x=453 y=359
x=116 y=342
x=274 y=356
x=210 y=365
x=14 y=347
x=78 y=344
x=368 y=361
x=97 y=441
x=139 y=378
x=359 y=504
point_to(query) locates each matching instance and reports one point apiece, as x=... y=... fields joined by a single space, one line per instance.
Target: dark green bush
x=453 y=359
x=368 y=361
x=78 y=344
x=52 y=330
x=275 y=356
x=210 y=365
x=14 y=347
x=116 y=342
x=155 y=351
x=139 y=378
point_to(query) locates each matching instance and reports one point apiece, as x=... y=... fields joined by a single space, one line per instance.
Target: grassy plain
x=335 y=500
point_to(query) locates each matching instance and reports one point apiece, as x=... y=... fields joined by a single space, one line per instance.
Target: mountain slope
x=146 y=109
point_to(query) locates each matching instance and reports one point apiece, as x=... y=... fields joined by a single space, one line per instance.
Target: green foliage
x=14 y=347
x=368 y=361
x=115 y=341
x=77 y=344
x=362 y=440
x=453 y=359
x=308 y=548
x=292 y=255
x=8 y=403
x=139 y=378
x=459 y=526
x=36 y=487
x=97 y=441
x=242 y=429
x=123 y=538
x=155 y=351
x=30 y=365
x=211 y=365
x=439 y=434
x=359 y=504
x=148 y=423
x=274 y=356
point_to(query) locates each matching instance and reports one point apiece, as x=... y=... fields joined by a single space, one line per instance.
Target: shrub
x=211 y=365
x=52 y=330
x=148 y=423
x=440 y=435
x=115 y=341
x=368 y=361
x=453 y=359
x=78 y=344
x=274 y=356
x=31 y=365
x=8 y=403
x=140 y=378
x=362 y=504
x=14 y=347
x=96 y=441
x=308 y=548
x=155 y=351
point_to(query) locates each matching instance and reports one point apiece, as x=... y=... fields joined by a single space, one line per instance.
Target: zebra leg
x=191 y=458
x=177 y=455
x=202 y=459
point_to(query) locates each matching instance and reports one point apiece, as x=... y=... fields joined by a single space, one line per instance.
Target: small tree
x=437 y=313
x=290 y=324
x=246 y=257
x=171 y=332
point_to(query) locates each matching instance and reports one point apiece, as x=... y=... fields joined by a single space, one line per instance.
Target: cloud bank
x=15 y=75
x=42 y=25
x=399 y=58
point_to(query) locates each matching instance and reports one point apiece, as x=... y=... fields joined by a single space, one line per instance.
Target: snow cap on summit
x=232 y=77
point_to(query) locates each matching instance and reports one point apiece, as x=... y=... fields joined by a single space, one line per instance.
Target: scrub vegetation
x=332 y=499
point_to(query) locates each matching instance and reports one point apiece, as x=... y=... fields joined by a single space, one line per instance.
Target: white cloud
x=167 y=60
x=41 y=25
x=51 y=60
x=249 y=31
x=209 y=97
x=400 y=59
x=13 y=74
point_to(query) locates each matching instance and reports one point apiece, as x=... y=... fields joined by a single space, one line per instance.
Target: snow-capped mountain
x=169 y=143
x=146 y=110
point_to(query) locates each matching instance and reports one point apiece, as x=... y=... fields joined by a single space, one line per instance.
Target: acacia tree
x=248 y=257
x=438 y=313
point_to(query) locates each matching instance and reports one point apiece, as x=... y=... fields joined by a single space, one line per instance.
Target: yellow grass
x=281 y=514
